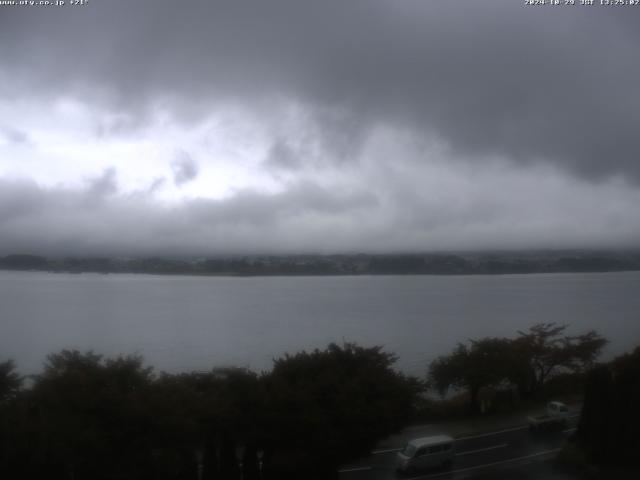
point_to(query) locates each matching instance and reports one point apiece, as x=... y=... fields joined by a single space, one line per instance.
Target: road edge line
x=506 y=430
x=469 y=452
x=354 y=469
x=492 y=464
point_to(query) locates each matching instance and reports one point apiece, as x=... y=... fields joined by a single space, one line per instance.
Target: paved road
x=485 y=455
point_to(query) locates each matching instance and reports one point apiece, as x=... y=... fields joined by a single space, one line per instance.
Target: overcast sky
x=203 y=127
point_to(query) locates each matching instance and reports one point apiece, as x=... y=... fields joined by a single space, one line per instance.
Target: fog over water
x=185 y=323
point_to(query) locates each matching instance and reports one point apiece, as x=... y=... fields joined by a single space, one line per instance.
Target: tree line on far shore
x=340 y=264
x=90 y=417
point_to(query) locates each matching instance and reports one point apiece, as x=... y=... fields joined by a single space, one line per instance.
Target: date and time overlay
x=584 y=3
x=527 y=3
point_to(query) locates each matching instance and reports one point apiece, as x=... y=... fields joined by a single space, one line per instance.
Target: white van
x=426 y=452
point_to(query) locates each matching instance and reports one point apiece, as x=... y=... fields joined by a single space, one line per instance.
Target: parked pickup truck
x=556 y=418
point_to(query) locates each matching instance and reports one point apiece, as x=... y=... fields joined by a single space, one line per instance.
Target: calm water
x=185 y=323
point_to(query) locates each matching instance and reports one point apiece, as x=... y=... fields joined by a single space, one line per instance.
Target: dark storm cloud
x=184 y=168
x=491 y=78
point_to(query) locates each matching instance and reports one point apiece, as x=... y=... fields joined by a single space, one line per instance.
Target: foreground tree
x=480 y=364
x=206 y=419
x=328 y=406
x=610 y=418
x=10 y=381
x=10 y=388
x=527 y=361
x=544 y=350
x=89 y=418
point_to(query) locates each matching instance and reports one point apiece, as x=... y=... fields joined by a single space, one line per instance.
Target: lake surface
x=187 y=323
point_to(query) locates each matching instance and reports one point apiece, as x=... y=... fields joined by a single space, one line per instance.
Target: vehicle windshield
x=409 y=450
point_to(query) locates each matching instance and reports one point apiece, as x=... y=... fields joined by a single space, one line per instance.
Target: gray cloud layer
x=536 y=88
x=490 y=77
x=311 y=218
x=85 y=221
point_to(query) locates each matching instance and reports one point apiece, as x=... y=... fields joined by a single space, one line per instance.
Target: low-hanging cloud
x=386 y=210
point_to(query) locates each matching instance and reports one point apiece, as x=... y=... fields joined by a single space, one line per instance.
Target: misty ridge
x=344 y=264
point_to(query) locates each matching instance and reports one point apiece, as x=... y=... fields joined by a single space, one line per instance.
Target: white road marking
x=514 y=429
x=469 y=452
x=569 y=430
x=378 y=452
x=481 y=435
x=492 y=464
x=470 y=437
x=354 y=469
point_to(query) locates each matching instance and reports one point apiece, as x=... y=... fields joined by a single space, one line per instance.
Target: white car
x=555 y=418
x=426 y=452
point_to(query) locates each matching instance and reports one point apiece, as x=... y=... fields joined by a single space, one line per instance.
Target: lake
x=181 y=323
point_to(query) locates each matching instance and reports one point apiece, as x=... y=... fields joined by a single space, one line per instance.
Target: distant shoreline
x=336 y=265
